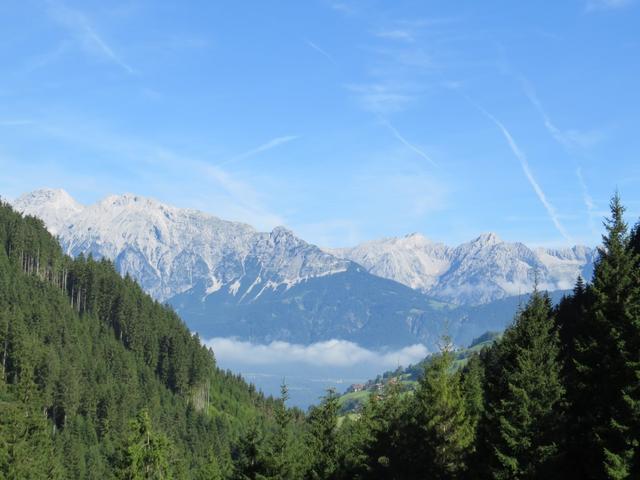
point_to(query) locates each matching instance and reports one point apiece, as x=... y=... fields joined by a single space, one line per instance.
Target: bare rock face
x=477 y=272
x=170 y=250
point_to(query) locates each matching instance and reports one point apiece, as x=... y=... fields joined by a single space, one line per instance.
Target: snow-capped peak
x=484 y=269
x=487 y=239
x=54 y=206
x=170 y=250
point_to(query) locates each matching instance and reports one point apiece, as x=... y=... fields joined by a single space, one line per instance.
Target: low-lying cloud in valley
x=335 y=353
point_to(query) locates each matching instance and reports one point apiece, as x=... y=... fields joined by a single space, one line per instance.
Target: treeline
x=557 y=397
x=97 y=380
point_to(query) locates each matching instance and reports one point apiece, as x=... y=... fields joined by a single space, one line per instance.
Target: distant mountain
x=477 y=272
x=170 y=250
x=227 y=279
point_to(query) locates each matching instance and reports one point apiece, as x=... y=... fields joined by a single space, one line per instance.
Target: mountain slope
x=351 y=305
x=476 y=272
x=85 y=353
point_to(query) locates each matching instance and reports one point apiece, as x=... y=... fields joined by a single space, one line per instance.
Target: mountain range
x=228 y=279
x=475 y=272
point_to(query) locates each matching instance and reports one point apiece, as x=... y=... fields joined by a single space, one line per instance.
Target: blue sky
x=345 y=121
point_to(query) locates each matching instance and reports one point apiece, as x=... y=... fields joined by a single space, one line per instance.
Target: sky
x=345 y=121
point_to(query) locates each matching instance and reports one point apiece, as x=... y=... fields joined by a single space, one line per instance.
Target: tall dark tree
x=572 y=322
x=445 y=427
x=607 y=358
x=472 y=390
x=524 y=394
x=323 y=425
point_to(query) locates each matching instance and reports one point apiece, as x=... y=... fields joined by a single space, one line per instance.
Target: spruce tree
x=572 y=322
x=445 y=428
x=472 y=389
x=386 y=442
x=147 y=453
x=323 y=423
x=250 y=460
x=522 y=417
x=608 y=357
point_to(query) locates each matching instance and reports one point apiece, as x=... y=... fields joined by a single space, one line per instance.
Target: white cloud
x=159 y=171
x=337 y=353
x=78 y=24
x=381 y=97
x=396 y=34
x=595 y=5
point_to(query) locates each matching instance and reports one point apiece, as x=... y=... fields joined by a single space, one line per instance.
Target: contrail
x=262 y=148
x=566 y=143
x=524 y=163
x=321 y=51
x=406 y=142
x=78 y=24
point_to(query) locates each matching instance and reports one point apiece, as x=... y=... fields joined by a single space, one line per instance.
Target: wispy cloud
x=321 y=51
x=80 y=27
x=148 y=168
x=343 y=7
x=336 y=353
x=396 y=34
x=569 y=140
x=381 y=98
x=595 y=5
x=273 y=143
x=406 y=142
x=524 y=163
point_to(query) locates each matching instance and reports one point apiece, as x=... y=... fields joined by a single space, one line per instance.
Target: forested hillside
x=98 y=380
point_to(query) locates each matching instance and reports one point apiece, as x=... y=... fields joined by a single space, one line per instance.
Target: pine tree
x=281 y=459
x=572 y=322
x=444 y=425
x=323 y=424
x=249 y=459
x=607 y=357
x=523 y=417
x=472 y=389
x=147 y=453
x=384 y=437
x=26 y=449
